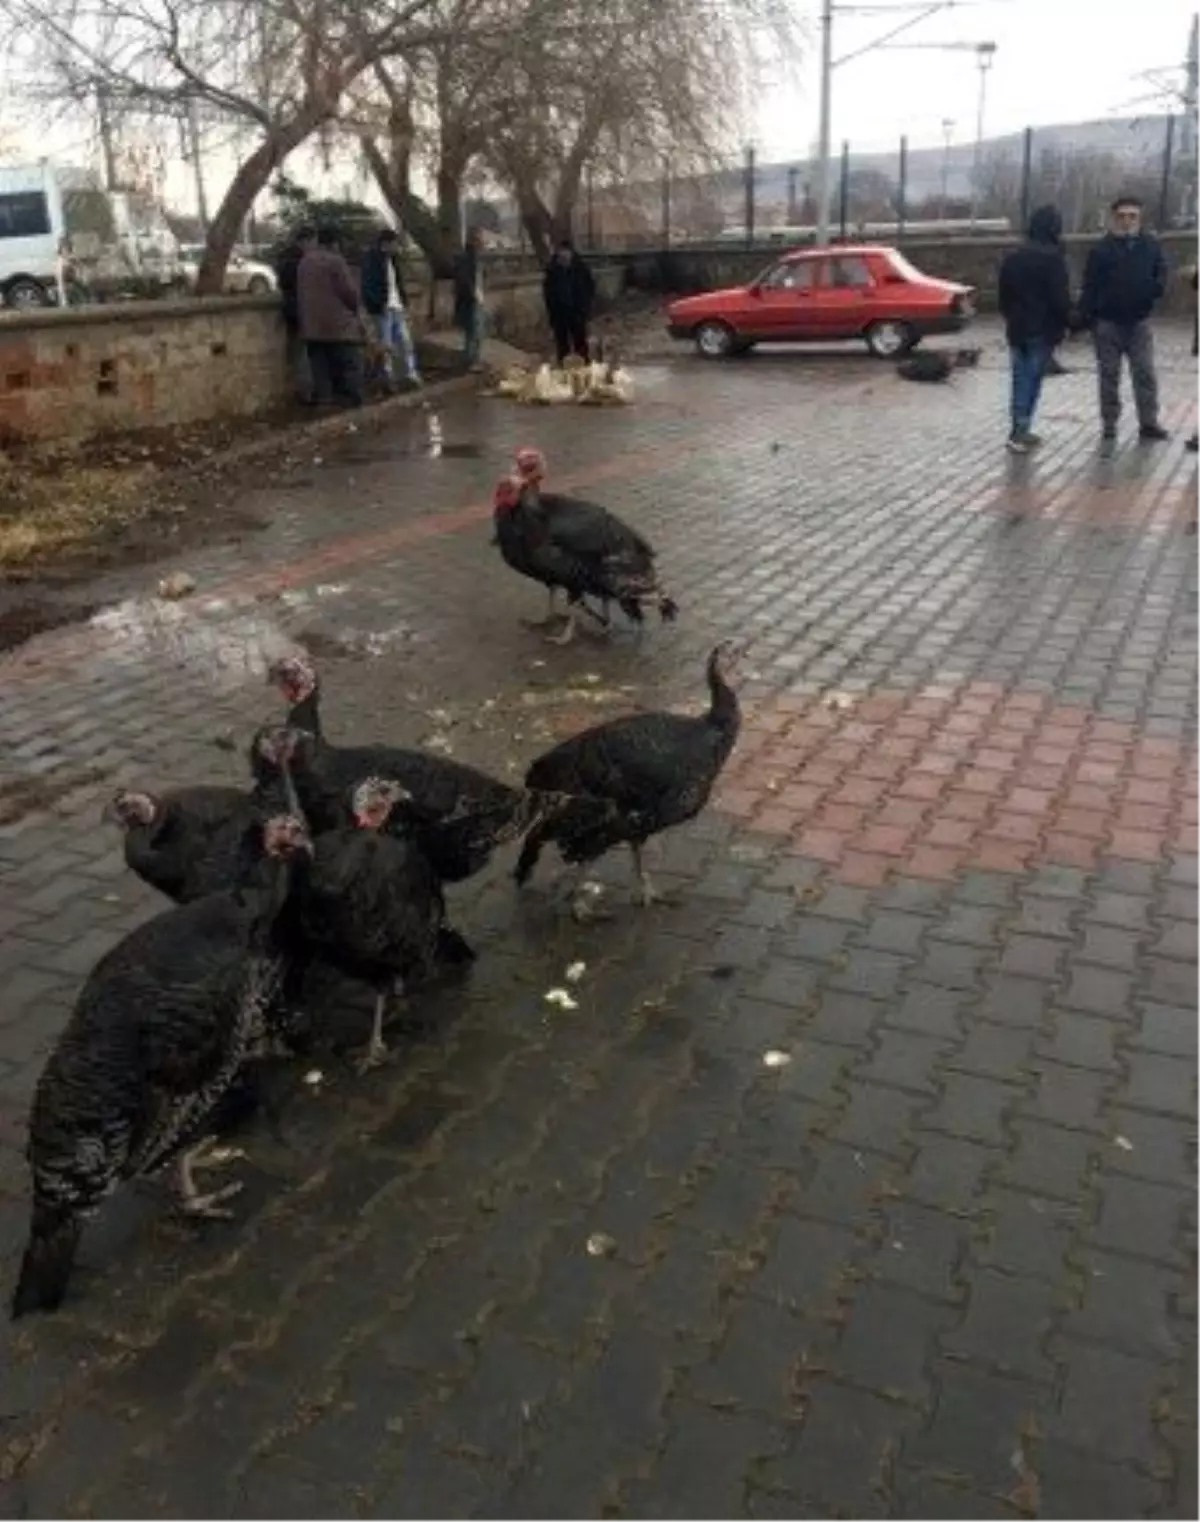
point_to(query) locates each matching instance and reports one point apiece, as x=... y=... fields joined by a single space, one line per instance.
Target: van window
x=24 y=214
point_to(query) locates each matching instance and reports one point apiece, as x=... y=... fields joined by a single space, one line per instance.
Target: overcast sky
x=1056 y=61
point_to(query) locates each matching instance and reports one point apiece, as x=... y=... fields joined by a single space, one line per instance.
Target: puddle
x=226 y=653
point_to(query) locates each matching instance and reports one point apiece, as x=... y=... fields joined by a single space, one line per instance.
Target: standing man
x=1193 y=443
x=569 y=291
x=327 y=297
x=384 y=300
x=1035 y=302
x=286 y=271
x=1126 y=275
x=469 y=312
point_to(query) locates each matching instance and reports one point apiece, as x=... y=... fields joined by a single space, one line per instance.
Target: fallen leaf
x=1124 y=1143
x=601 y=1245
x=776 y=1059
x=561 y=999
x=575 y=971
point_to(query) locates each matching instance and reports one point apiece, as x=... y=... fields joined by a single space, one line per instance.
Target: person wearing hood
x=1125 y=277
x=1035 y=302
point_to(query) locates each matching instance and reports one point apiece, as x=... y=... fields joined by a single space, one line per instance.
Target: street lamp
x=985 y=53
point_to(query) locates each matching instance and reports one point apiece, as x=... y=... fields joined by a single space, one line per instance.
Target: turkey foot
x=647 y=893
x=206 y=1155
x=567 y=635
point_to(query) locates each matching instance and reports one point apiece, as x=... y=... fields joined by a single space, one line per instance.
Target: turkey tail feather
x=48 y=1261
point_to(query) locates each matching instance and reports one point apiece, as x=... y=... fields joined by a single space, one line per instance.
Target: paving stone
x=1107 y=1406
x=978 y=1423
x=889 y=1342
x=1005 y=1326
x=840 y=1463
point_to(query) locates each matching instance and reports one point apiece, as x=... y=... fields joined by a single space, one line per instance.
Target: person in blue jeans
x=1035 y=302
x=385 y=302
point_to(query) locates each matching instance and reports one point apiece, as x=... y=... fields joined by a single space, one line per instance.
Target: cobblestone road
x=942 y=1263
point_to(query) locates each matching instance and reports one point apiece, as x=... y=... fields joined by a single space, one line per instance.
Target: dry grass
x=48 y=508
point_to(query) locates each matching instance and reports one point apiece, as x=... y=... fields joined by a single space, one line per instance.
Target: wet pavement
x=935 y=1259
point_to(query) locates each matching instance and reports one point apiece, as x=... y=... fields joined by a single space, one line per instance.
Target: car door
x=783 y=301
x=844 y=296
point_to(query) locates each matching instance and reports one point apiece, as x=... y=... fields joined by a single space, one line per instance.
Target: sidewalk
x=941 y=1262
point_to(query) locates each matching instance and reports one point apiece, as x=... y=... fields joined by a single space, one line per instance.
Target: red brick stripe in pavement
x=940 y=780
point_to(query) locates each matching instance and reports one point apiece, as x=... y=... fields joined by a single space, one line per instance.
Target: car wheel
x=259 y=285
x=714 y=340
x=25 y=292
x=888 y=340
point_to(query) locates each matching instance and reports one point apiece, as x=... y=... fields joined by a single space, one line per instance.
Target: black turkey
x=933 y=365
x=460 y=814
x=157 y=1039
x=191 y=840
x=576 y=546
x=370 y=904
x=655 y=770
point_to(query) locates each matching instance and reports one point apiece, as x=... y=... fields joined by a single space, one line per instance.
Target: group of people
x=1124 y=279
x=329 y=315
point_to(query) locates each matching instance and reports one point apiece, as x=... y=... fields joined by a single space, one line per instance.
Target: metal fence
x=957 y=190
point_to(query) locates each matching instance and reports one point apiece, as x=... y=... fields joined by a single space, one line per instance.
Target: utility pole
x=825 y=121
x=197 y=158
x=947 y=136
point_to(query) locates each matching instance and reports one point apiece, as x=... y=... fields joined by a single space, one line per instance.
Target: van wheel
x=25 y=292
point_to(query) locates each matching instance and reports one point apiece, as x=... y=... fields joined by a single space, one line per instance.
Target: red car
x=821 y=294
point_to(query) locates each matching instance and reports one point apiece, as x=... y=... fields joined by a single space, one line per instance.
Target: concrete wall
x=113 y=369
x=973 y=261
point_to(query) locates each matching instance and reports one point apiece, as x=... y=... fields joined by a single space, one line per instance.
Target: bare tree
x=533 y=91
x=279 y=67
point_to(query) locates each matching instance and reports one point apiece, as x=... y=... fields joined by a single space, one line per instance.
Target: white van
x=32 y=237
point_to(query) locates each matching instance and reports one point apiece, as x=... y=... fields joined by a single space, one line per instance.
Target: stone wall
x=87 y=371
x=974 y=262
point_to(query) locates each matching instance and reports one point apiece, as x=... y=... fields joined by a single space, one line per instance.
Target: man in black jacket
x=1126 y=275
x=381 y=281
x=1035 y=302
x=569 y=291
x=469 y=311
x=286 y=270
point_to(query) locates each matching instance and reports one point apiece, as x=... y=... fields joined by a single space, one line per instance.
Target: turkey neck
x=307 y=714
x=724 y=712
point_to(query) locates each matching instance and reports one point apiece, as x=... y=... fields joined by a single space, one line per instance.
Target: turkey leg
x=377 y=1051
x=206 y=1154
x=647 y=893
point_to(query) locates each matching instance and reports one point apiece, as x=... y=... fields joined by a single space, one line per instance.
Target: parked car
x=242 y=276
x=817 y=295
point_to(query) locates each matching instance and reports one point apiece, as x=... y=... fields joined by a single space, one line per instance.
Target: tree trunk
x=449 y=204
x=537 y=222
x=251 y=179
x=421 y=223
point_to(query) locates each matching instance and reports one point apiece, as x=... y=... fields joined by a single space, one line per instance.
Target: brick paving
x=940 y=1264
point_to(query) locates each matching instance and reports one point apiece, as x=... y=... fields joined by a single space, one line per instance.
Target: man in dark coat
x=286 y=270
x=1194 y=442
x=384 y=300
x=1125 y=276
x=469 y=312
x=1035 y=302
x=569 y=291
x=327 y=298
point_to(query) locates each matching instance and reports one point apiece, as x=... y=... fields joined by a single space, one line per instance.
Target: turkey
x=461 y=815
x=575 y=545
x=192 y=840
x=156 y=1041
x=656 y=769
x=370 y=904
